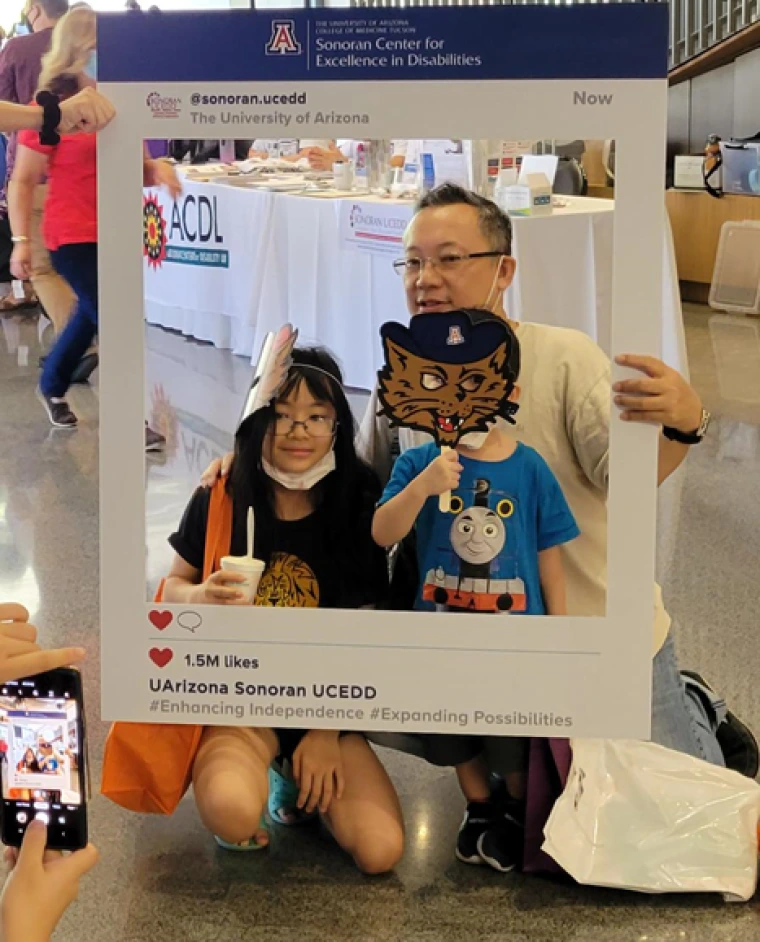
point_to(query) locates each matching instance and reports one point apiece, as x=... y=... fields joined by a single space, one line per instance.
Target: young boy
x=497 y=550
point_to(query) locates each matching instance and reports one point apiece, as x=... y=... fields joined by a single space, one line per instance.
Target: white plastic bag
x=638 y=816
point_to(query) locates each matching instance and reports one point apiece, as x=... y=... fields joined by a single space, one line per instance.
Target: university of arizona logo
x=283 y=41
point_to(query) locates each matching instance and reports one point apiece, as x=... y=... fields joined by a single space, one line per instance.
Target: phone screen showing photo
x=42 y=758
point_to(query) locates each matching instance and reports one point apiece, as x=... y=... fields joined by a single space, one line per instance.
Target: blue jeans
x=78 y=264
x=684 y=715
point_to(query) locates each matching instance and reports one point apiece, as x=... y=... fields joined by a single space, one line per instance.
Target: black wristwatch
x=689 y=438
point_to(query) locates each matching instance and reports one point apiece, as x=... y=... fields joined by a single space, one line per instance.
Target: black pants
x=502 y=754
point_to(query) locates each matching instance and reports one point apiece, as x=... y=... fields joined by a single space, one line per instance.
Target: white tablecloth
x=287 y=263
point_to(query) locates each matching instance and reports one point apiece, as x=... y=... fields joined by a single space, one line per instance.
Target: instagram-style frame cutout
x=529 y=72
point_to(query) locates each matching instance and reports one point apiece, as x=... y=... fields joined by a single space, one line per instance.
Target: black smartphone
x=43 y=757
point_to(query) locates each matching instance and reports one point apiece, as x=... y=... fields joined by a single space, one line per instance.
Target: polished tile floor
x=165 y=879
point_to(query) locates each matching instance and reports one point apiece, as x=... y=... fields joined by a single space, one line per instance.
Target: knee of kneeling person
x=231 y=816
x=376 y=854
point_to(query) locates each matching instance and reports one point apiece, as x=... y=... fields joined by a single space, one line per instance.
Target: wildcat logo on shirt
x=283 y=40
x=288 y=583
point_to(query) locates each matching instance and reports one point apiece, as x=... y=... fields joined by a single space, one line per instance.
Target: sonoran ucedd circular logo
x=154 y=232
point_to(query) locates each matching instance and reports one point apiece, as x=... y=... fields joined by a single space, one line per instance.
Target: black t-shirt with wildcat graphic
x=302 y=571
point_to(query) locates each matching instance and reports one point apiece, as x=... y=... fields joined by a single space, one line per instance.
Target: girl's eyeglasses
x=316 y=426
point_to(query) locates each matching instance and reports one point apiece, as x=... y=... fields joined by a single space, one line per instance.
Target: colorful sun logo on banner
x=154 y=232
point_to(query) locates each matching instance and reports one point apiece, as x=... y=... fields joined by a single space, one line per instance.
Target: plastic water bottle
x=227 y=151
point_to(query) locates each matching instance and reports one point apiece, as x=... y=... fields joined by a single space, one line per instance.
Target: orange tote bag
x=148 y=767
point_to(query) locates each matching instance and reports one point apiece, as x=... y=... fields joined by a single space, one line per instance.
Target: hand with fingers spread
x=20 y=655
x=660 y=397
x=220 y=589
x=318 y=770
x=41 y=886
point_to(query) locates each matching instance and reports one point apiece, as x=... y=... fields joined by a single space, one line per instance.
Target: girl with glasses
x=313 y=499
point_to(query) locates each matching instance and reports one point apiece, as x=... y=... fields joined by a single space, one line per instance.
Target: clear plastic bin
x=741 y=168
x=736 y=348
x=736 y=276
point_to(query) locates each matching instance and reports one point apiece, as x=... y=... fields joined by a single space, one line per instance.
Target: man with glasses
x=458 y=254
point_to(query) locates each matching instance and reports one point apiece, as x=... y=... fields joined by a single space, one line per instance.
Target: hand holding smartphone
x=41 y=886
x=43 y=758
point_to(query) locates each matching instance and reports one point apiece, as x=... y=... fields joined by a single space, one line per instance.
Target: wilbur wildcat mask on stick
x=449 y=374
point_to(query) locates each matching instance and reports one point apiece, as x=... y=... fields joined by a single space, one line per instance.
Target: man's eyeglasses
x=316 y=426
x=447 y=264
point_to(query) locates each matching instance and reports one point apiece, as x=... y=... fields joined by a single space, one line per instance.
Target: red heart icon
x=161 y=656
x=161 y=620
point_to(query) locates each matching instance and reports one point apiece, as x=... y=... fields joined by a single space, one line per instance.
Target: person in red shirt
x=71 y=224
x=20 y=64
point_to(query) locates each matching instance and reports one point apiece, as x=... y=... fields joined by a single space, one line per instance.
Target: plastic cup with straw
x=246 y=565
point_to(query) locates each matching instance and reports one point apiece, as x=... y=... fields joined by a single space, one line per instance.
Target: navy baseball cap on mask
x=450 y=374
x=462 y=336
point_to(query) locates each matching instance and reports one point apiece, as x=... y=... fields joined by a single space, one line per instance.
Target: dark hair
x=479 y=315
x=33 y=766
x=65 y=86
x=53 y=9
x=494 y=224
x=340 y=497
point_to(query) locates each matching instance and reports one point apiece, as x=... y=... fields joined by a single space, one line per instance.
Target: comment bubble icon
x=190 y=621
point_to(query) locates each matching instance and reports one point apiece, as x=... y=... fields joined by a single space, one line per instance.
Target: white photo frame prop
x=592 y=71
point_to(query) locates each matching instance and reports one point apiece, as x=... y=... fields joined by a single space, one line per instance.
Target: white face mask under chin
x=475 y=440
x=301 y=480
